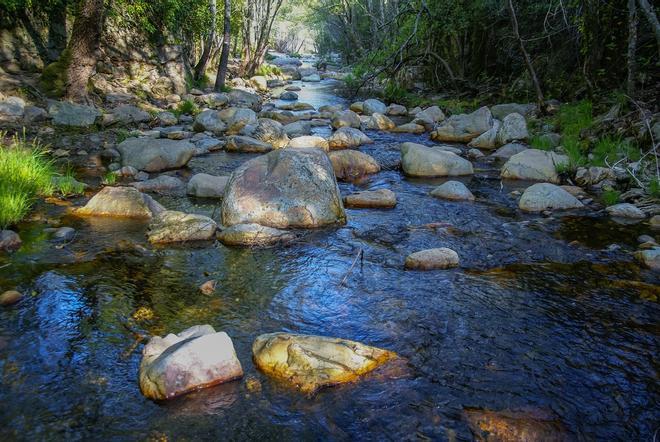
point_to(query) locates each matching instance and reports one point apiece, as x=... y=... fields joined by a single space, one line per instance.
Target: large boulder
x=514 y=128
x=396 y=110
x=240 y=143
x=237 y=118
x=429 y=117
x=260 y=83
x=310 y=141
x=215 y=100
x=197 y=357
x=507 y=151
x=373 y=106
x=516 y=426
x=453 y=190
x=269 y=131
x=500 y=111
x=346 y=118
x=534 y=165
x=347 y=137
x=432 y=259
x=73 y=115
x=203 y=185
x=284 y=188
x=312 y=362
x=625 y=210
x=352 y=164
x=546 y=196
x=488 y=139
x=155 y=155
x=171 y=226
x=121 y=202
x=463 y=128
x=241 y=98
x=422 y=161
x=378 y=122
x=371 y=199
x=209 y=120
x=298 y=128
x=128 y=114
x=253 y=235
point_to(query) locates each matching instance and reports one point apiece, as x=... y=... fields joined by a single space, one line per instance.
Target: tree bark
x=83 y=49
x=649 y=12
x=632 y=46
x=200 y=67
x=224 y=56
x=528 y=61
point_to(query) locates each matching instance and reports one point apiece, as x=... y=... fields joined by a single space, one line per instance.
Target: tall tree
x=200 y=68
x=82 y=50
x=224 y=56
x=632 y=46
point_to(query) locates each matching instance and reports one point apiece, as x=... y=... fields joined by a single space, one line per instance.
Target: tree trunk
x=528 y=61
x=632 y=46
x=652 y=18
x=200 y=67
x=83 y=49
x=224 y=56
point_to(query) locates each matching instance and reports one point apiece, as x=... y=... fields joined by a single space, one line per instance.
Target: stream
x=544 y=313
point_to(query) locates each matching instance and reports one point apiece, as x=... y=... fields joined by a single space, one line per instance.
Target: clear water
x=530 y=320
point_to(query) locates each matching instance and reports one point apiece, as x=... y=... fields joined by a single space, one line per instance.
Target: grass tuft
x=610 y=197
x=186 y=107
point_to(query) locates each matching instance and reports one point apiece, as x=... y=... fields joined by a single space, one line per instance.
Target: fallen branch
x=360 y=254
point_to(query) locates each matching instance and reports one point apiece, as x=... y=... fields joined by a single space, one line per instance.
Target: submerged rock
x=253 y=235
x=546 y=196
x=155 y=155
x=74 y=115
x=284 y=188
x=515 y=426
x=432 y=259
x=625 y=210
x=312 y=362
x=121 y=202
x=422 y=161
x=352 y=164
x=9 y=240
x=198 y=357
x=203 y=185
x=171 y=226
x=453 y=190
x=371 y=199
x=534 y=165
x=347 y=137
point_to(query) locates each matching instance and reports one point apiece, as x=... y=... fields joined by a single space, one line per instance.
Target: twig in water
x=360 y=254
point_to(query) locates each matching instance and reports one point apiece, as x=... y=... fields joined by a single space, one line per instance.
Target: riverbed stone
x=9 y=240
x=313 y=141
x=167 y=119
x=352 y=164
x=547 y=196
x=11 y=109
x=501 y=111
x=240 y=143
x=371 y=199
x=357 y=106
x=346 y=118
x=463 y=128
x=172 y=226
x=589 y=176
x=373 y=106
x=198 y=357
x=288 y=96
x=488 y=139
x=432 y=259
x=269 y=131
x=409 y=128
x=534 y=165
x=422 y=161
x=650 y=258
x=313 y=78
x=508 y=150
x=215 y=100
x=625 y=210
x=312 y=362
x=10 y=297
x=283 y=189
x=515 y=426
x=203 y=185
x=348 y=137
x=453 y=190
x=237 y=118
x=121 y=202
x=298 y=128
x=160 y=184
x=155 y=155
x=514 y=128
x=259 y=82
x=209 y=120
x=396 y=110
x=72 y=115
x=253 y=235
x=129 y=114
x=242 y=98
x=429 y=117
x=378 y=122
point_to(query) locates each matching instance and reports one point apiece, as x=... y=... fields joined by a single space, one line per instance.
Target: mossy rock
x=53 y=78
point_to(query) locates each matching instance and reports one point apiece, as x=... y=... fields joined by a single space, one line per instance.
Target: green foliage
x=541 y=143
x=66 y=183
x=610 y=197
x=574 y=151
x=267 y=69
x=53 y=78
x=395 y=93
x=186 y=107
x=197 y=83
x=654 y=188
x=610 y=149
x=25 y=173
x=574 y=118
x=109 y=178
x=457 y=106
x=121 y=135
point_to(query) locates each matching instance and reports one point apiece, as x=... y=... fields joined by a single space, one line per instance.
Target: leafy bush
x=654 y=188
x=395 y=93
x=610 y=197
x=25 y=173
x=109 y=178
x=575 y=117
x=576 y=156
x=186 y=107
x=267 y=69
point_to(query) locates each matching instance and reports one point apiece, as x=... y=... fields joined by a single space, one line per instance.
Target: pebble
x=10 y=297
x=208 y=288
x=645 y=238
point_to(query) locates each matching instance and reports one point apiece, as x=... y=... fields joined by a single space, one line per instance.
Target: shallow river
x=542 y=314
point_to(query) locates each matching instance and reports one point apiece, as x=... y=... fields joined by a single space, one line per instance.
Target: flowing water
x=542 y=314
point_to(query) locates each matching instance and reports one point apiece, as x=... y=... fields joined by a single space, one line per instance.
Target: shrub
x=25 y=173
x=610 y=197
x=395 y=93
x=186 y=107
x=66 y=183
x=575 y=117
x=109 y=178
x=267 y=69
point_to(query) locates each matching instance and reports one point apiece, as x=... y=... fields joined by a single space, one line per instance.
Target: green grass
x=574 y=118
x=611 y=149
x=122 y=134
x=200 y=83
x=186 y=107
x=610 y=197
x=457 y=106
x=109 y=178
x=25 y=174
x=541 y=143
x=267 y=69
x=654 y=188
x=66 y=183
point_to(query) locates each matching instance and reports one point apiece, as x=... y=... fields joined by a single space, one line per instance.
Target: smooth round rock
x=453 y=190
x=432 y=259
x=10 y=297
